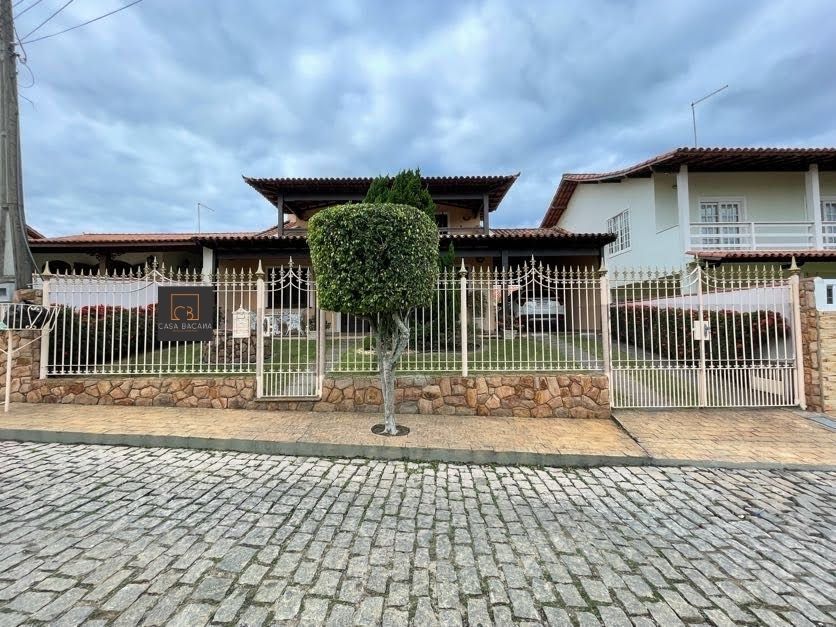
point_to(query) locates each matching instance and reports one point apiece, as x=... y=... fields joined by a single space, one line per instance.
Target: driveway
x=123 y=535
x=750 y=437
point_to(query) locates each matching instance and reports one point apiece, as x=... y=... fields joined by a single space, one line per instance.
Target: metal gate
x=289 y=328
x=727 y=337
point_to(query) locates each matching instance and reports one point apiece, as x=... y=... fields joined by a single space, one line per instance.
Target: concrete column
x=280 y=207
x=683 y=204
x=486 y=214
x=208 y=264
x=814 y=199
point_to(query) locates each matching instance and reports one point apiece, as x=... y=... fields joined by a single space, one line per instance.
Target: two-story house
x=465 y=206
x=722 y=205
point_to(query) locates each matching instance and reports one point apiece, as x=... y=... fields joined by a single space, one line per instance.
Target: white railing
x=761 y=236
x=532 y=318
x=106 y=325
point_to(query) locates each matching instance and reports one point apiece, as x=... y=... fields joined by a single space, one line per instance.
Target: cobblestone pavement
x=151 y=536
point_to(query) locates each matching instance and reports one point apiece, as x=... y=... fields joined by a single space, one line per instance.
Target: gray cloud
x=140 y=116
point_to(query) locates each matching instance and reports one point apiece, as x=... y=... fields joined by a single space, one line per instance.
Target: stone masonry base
x=565 y=396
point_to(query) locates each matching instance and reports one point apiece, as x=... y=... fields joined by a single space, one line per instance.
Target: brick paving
x=766 y=437
x=144 y=536
x=760 y=436
x=464 y=437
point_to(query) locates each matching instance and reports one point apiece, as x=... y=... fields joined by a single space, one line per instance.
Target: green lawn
x=521 y=354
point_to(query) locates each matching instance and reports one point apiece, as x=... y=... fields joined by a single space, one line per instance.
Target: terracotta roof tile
x=697 y=160
x=764 y=255
x=343 y=189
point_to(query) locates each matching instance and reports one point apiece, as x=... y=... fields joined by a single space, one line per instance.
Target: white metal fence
x=106 y=325
x=531 y=318
x=666 y=338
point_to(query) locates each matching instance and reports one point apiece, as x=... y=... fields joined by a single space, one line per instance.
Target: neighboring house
x=465 y=205
x=722 y=205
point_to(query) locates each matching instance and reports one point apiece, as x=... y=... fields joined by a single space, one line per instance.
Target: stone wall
x=562 y=395
x=818 y=332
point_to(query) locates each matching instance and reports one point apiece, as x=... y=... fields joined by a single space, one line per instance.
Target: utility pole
x=15 y=259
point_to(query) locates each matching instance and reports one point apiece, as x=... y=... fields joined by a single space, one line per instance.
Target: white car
x=537 y=314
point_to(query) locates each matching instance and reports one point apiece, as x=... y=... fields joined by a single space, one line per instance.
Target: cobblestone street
x=96 y=535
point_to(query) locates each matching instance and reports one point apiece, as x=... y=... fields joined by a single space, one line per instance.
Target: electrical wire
x=31 y=76
x=23 y=58
x=31 y=6
x=38 y=27
x=95 y=19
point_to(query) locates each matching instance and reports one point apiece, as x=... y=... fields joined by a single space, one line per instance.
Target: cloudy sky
x=142 y=115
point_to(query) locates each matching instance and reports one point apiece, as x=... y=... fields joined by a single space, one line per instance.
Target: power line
x=38 y=27
x=25 y=57
x=95 y=19
x=31 y=6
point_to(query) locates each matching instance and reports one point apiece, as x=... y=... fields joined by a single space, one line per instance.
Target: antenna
x=199 y=205
x=693 y=111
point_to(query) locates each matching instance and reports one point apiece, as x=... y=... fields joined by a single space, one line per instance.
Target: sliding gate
x=704 y=338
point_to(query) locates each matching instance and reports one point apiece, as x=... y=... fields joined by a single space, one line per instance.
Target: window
x=620 y=226
x=828 y=216
x=442 y=221
x=828 y=210
x=722 y=211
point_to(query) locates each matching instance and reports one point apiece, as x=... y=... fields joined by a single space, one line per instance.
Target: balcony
x=762 y=236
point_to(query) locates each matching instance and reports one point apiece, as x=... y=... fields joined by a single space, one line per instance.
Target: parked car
x=540 y=314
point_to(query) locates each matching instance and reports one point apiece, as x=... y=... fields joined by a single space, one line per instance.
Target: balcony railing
x=762 y=236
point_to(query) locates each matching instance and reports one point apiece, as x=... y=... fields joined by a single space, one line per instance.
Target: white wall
x=827 y=182
x=592 y=204
x=768 y=196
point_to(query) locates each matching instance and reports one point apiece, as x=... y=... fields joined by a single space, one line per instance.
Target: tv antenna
x=694 y=113
x=199 y=206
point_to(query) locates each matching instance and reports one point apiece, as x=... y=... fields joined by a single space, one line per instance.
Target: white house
x=723 y=205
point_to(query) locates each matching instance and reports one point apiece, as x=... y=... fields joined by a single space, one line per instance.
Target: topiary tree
x=377 y=261
x=406 y=188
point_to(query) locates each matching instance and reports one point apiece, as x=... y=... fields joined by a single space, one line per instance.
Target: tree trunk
x=392 y=337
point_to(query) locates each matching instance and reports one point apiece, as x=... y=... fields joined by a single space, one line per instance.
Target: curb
x=319 y=449
x=411 y=453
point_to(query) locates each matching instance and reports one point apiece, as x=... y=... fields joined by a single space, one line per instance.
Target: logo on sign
x=185 y=313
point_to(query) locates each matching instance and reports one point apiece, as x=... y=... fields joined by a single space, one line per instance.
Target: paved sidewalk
x=762 y=438
x=751 y=437
x=533 y=441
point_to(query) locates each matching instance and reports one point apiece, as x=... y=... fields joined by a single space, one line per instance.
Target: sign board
x=185 y=313
x=701 y=330
x=240 y=324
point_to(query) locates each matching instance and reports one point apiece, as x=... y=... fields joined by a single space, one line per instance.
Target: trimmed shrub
x=666 y=332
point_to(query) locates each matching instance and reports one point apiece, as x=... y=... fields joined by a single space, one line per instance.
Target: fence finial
x=46 y=271
x=794 y=266
x=259 y=272
x=462 y=270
